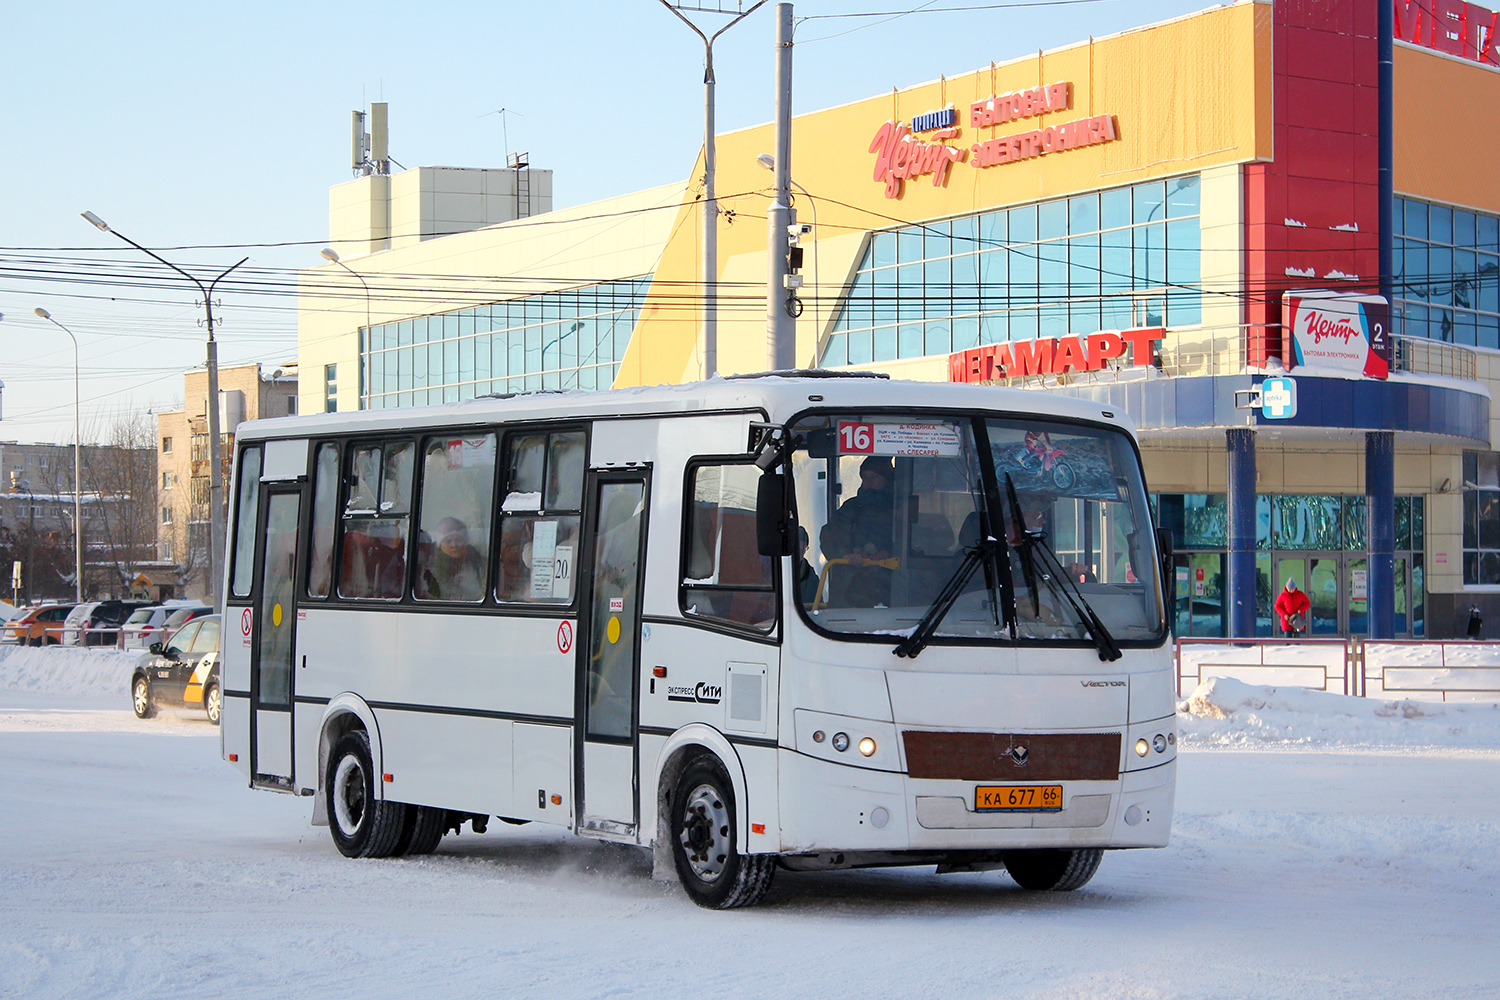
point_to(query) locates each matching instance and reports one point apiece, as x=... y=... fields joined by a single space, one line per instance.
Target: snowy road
x=135 y=864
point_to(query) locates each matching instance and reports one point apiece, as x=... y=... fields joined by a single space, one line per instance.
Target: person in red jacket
x=1292 y=605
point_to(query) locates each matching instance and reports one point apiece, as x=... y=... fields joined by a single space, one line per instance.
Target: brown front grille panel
x=988 y=756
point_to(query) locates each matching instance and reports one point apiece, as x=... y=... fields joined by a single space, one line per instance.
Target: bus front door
x=272 y=640
x=608 y=657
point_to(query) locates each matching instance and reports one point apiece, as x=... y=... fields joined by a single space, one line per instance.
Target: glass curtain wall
x=1447 y=280
x=1320 y=541
x=573 y=339
x=1108 y=260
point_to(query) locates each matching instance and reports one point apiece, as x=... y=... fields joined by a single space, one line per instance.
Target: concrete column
x=1239 y=592
x=1380 y=530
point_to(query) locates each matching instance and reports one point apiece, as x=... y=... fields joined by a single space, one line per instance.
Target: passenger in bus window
x=454 y=569
x=860 y=534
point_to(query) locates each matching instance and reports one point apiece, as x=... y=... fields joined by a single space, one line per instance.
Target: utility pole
x=782 y=304
x=710 y=202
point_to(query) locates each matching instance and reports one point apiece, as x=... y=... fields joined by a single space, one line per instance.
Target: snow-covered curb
x=61 y=670
x=1223 y=711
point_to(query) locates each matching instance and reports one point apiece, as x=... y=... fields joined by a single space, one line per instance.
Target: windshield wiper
x=913 y=644
x=1033 y=542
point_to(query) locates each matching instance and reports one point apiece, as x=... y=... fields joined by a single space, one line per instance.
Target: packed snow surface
x=1323 y=847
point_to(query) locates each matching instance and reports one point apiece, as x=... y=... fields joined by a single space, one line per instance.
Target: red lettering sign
x=1049 y=356
x=1460 y=29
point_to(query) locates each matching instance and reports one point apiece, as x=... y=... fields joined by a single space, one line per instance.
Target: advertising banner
x=1334 y=330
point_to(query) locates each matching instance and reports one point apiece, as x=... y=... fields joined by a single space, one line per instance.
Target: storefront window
x=573 y=339
x=1481 y=512
x=1107 y=261
x=1448 y=274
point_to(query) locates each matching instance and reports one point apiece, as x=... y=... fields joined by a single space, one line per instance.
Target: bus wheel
x=1059 y=870
x=710 y=868
x=140 y=698
x=423 y=831
x=362 y=826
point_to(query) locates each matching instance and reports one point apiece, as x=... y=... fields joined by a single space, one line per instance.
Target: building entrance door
x=1323 y=577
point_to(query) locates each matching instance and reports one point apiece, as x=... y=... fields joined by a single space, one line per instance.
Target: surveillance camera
x=799 y=229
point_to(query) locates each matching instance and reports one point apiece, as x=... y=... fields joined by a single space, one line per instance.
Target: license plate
x=1018 y=798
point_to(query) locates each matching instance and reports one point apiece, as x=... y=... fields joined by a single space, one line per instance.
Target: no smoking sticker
x=247 y=619
x=564 y=637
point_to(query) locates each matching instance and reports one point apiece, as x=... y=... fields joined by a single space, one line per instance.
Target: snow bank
x=1227 y=712
x=64 y=670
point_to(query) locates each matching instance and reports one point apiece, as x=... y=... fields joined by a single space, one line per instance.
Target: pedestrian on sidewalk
x=1292 y=605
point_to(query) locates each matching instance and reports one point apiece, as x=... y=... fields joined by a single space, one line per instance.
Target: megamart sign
x=1333 y=330
x=1460 y=29
x=1052 y=355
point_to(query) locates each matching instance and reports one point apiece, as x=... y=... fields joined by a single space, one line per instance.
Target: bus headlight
x=841 y=742
x=1159 y=743
x=867 y=747
x=1142 y=748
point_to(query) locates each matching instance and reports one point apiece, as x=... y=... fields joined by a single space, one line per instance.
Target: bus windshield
x=1052 y=516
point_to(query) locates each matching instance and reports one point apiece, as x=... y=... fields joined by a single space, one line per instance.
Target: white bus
x=791 y=622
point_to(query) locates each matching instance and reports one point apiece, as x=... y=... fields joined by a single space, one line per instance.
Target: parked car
x=97 y=623
x=37 y=626
x=182 y=671
x=155 y=622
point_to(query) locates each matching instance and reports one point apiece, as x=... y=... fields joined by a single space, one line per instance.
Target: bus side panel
x=455 y=762
x=760 y=823
x=543 y=771
x=234 y=673
x=431 y=678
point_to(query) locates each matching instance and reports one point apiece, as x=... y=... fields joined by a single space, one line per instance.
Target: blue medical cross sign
x=1278 y=398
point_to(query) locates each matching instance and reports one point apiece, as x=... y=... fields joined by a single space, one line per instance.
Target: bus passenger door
x=608 y=655
x=273 y=639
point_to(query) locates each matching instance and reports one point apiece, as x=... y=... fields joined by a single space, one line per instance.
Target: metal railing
x=1434 y=357
x=1411 y=669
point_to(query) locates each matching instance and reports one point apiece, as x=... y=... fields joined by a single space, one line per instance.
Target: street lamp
x=215 y=451
x=768 y=161
x=710 y=203
x=331 y=255
x=77 y=465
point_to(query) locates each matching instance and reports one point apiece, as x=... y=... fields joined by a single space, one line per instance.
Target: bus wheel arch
x=685 y=746
x=342 y=715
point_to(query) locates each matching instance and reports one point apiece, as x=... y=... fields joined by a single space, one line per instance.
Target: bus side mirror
x=1166 y=547
x=772 y=537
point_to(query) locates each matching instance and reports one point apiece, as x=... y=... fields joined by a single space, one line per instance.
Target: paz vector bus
x=791 y=622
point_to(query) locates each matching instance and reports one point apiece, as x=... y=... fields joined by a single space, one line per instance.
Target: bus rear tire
x=709 y=865
x=1055 y=870
x=362 y=826
x=423 y=830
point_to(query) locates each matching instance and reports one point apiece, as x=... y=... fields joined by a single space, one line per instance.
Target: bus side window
x=539 y=518
x=458 y=483
x=375 y=522
x=324 y=519
x=724 y=577
x=247 y=513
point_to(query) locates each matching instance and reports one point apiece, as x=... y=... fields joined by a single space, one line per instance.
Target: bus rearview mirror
x=771 y=523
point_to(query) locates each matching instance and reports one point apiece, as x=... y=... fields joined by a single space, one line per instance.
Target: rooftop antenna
x=504 y=132
x=370 y=151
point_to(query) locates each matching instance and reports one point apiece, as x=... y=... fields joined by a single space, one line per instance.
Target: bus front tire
x=711 y=869
x=362 y=826
x=1057 y=870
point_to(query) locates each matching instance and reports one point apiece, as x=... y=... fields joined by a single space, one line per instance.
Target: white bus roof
x=779 y=396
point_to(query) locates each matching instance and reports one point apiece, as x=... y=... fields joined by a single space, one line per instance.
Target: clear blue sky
x=219 y=130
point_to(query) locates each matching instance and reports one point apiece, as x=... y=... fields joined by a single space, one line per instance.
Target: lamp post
x=215 y=452
x=77 y=465
x=331 y=255
x=710 y=203
x=769 y=162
